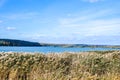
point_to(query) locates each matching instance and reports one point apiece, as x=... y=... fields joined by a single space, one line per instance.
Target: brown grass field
x=96 y=65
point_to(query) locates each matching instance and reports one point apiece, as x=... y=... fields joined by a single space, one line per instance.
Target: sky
x=61 y=21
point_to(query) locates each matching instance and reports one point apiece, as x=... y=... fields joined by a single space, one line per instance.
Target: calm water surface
x=51 y=49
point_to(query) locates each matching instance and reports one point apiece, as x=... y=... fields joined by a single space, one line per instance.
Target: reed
x=96 y=65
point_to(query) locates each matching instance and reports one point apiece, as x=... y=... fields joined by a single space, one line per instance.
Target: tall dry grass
x=97 y=65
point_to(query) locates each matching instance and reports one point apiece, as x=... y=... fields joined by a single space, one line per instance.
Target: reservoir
x=51 y=49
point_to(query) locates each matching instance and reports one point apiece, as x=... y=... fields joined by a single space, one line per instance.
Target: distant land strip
x=13 y=42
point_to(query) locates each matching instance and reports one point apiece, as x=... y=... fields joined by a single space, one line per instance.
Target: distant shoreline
x=22 y=43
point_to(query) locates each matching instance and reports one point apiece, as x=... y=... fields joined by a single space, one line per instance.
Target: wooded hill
x=12 y=42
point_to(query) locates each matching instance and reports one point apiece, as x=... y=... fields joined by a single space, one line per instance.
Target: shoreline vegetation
x=19 y=43
x=94 y=65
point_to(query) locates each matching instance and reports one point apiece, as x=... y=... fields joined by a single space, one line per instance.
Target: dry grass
x=97 y=65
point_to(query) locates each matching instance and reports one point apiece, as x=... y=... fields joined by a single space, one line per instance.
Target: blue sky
x=61 y=21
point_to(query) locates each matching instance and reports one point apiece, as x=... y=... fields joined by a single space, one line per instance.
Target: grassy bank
x=97 y=65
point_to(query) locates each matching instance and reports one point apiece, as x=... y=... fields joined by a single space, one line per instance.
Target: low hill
x=11 y=42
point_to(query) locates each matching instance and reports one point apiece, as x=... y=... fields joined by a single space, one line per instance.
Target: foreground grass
x=97 y=65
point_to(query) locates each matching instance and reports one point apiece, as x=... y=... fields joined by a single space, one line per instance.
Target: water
x=51 y=49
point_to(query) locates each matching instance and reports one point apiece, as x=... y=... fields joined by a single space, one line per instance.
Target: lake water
x=51 y=49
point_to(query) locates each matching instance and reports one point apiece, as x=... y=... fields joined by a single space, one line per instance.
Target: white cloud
x=92 y=1
x=95 y=27
x=83 y=17
x=10 y=28
x=93 y=24
x=103 y=31
x=1 y=21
